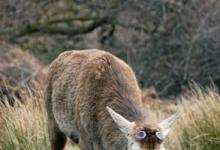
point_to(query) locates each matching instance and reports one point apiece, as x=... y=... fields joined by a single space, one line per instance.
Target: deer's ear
x=124 y=125
x=167 y=123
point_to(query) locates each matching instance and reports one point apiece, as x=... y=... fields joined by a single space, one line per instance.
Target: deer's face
x=146 y=137
x=142 y=136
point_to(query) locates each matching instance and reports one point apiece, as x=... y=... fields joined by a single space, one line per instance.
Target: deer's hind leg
x=57 y=138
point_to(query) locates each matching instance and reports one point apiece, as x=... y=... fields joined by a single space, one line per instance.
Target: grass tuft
x=199 y=125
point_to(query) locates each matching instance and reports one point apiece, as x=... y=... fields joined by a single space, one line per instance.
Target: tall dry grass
x=199 y=126
x=23 y=127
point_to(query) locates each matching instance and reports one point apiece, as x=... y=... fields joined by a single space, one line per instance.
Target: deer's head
x=143 y=136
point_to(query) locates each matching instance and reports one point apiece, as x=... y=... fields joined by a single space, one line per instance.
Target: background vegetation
x=167 y=42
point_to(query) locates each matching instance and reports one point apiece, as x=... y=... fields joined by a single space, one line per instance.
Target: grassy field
x=23 y=127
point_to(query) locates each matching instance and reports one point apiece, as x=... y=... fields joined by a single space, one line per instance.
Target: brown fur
x=80 y=86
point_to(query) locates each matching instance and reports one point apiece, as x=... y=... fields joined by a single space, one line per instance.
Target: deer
x=93 y=98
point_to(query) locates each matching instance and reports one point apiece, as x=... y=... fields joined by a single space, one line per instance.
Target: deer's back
x=82 y=84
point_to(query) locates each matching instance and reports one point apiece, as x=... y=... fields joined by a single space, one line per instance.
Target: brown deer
x=94 y=96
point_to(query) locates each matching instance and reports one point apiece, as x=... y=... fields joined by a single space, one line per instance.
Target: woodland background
x=168 y=43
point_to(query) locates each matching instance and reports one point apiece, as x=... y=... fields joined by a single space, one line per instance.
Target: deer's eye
x=159 y=135
x=140 y=135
